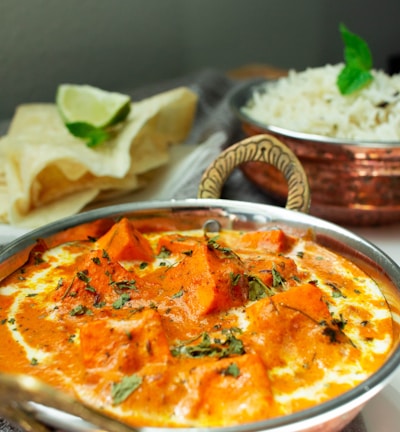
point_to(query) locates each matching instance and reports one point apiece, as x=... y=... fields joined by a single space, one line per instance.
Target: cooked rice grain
x=310 y=102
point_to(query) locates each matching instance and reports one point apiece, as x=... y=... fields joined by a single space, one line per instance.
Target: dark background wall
x=121 y=44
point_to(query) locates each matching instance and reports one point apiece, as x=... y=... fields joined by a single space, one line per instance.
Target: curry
x=189 y=327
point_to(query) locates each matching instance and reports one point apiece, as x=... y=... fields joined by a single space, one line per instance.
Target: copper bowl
x=352 y=183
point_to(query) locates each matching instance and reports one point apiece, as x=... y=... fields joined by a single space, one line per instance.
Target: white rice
x=310 y=102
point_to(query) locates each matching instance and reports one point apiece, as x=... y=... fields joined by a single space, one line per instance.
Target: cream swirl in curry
x=188 y=328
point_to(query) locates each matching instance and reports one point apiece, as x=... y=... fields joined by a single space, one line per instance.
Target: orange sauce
x=192 y=328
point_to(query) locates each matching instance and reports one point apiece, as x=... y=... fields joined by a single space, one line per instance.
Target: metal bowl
x=35 y=406
x=354 y=183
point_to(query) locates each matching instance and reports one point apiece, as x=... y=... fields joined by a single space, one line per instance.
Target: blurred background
x=125 y=44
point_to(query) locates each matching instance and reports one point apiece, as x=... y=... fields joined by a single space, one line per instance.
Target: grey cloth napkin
x=213 y=115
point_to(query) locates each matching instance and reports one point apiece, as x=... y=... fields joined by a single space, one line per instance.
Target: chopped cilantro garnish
x=210 y=348
x=178 y=294
x=232 y=370
x=79 y=310
x=164 y=253
x=120 y=302
x=235 y=278
x=213 y=244
x=83 y=276
x=277 y=278
x=258 y=289
x=122 y=390
x=124 y=285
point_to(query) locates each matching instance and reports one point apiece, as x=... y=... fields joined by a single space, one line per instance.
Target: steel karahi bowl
x=352 y=183
x=35 y=406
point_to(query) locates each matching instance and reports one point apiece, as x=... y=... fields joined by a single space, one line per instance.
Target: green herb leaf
x=124 y=285
x=357 y=53
x=91 y=134
x=358 y=58
x=164 y=253
x=235 y=278
x=277 y=278
x=213 y=244
x=82 y=275
x=71 y=338
x=258 y=289
x=79 y=310
x=232 y=370
x=178 y=294
x=105 y=255
x=122 y=390
x=210 y=348
x=340 y=322
x=336 y=292
x=119 y=303
x=351 y=79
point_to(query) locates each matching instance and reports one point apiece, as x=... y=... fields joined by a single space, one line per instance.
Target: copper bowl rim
x=239 y=96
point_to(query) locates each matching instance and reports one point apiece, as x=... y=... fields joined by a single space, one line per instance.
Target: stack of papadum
x=46 y=173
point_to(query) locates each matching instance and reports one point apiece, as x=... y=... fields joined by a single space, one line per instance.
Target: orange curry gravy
x=192 y=328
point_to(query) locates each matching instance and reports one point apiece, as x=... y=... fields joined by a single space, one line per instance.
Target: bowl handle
x=260 y=148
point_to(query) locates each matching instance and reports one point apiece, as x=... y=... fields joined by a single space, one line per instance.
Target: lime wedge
x=87 y=104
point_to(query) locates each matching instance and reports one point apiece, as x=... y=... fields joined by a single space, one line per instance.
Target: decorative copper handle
x=260 y=148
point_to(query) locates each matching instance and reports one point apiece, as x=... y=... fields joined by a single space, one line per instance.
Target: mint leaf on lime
x=358 y=63
x=91 y=134
x=91 y=113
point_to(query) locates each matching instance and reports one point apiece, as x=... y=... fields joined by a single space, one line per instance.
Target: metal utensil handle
x=260 y=148
x=18 y=392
